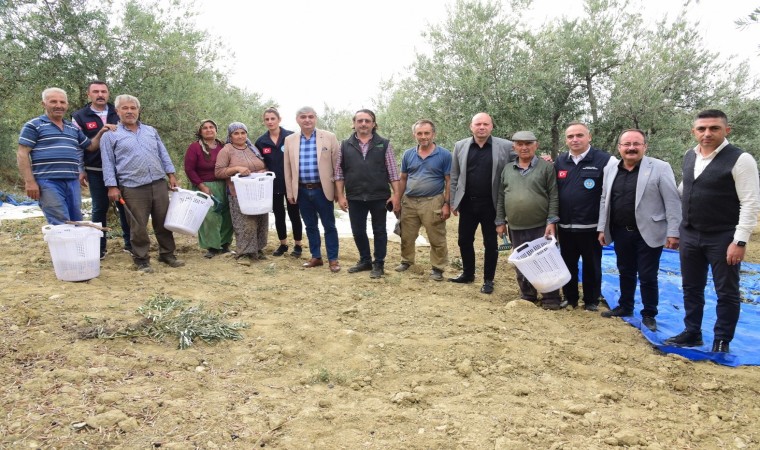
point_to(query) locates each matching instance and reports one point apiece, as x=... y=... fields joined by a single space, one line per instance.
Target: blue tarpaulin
x=744 y=347
x=11 y=200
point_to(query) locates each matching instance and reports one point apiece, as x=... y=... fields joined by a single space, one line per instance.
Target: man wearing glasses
x=640 y=210
x=365 y=167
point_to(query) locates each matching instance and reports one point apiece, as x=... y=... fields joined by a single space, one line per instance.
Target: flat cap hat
x=524 y=136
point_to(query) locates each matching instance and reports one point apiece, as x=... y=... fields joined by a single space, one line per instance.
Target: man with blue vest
x=365 y=167
x=580 y=173
x=90 y=119
x=720 y=200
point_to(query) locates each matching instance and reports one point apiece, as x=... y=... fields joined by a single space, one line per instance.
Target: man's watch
x=741 y=243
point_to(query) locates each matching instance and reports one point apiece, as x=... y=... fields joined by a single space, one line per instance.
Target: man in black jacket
x=366 y=166
x=90 y=119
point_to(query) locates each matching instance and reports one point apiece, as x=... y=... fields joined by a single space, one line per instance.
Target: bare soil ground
x=340 y=361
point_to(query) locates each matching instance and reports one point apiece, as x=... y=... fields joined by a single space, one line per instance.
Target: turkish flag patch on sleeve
x=91 y=125
x=266 y=150
x=562 y=174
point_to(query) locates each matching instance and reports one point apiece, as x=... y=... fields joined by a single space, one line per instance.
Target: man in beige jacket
x=310 y=158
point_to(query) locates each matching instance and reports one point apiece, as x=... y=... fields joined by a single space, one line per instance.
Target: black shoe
x=281 y=250
x=403 y=267
x=211 y=253
x=720 y=346
x=225 y=249
x=436 y=274
x=462 y=278
x=487 y=287
x=617 y=311
x=103 y=254
x=297 y=251
x=566 y=303
x=260 y=255
x=649 y=322
x=593 y=307
x=378 y=270
x=171 y=261
x=144 y=267
x=685 y=339
x=361 y=266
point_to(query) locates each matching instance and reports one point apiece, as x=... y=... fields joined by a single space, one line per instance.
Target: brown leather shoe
x=334 y=266
x=313 y=262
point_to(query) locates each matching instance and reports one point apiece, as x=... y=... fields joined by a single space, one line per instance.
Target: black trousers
x=637 y=261
x=279 y=203
x=474 y=212
x=699 y=251
x=573 y=246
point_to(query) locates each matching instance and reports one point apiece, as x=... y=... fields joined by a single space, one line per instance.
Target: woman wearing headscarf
x=215 y=234
x=239 y=156
x=270 y=144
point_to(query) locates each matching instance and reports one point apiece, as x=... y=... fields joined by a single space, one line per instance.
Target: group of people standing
x=587 y=198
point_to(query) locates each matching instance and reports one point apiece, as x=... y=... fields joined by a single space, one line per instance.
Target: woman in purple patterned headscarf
x=239 y=156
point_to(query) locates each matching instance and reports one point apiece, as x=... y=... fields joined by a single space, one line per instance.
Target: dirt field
x=340 y=361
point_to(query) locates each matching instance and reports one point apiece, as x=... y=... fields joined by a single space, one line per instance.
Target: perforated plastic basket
x=187 y=209
x=541 y=263
x=75 y=251
x=254 y=192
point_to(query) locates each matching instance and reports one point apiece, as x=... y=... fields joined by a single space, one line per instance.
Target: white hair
x=126 y=98
x=53 y=90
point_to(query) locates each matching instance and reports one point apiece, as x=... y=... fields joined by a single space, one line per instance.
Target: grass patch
x=325 y=376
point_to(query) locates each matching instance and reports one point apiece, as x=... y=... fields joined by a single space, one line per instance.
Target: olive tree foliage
x=606 y=67
x=152 y=52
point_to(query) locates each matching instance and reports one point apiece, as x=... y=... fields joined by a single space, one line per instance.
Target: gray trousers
x=149 y=200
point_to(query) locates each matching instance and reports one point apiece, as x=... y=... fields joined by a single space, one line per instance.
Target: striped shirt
x=308 y=160
x=138 y=157
x=57 y=154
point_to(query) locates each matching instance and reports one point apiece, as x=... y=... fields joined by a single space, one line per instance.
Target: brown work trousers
x=426 y=212
x=149 y=200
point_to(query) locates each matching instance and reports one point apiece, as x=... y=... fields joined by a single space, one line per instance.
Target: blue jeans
x=100 y=204
x=60 y=200
x=314 y=206
x=357 y=213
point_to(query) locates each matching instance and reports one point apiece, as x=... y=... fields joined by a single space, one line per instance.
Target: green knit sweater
x=530 y=200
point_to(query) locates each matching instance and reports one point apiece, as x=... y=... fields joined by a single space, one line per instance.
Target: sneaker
x=127 y=249
x=171 y=261
x=403 y=267
x=281 y=250
x=377 y=270
x=144 y=267
x=617 y=311
x=103 y=254
x=593 y=307
x=649 y=322
x=297 y=251
x=435 y=274
x=211 y=253
x=225 y=248
x=720 y=346
x=487 y=287
x=361 y=266
x=685 y=339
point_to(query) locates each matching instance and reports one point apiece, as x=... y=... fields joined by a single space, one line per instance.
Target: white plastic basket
x=186 y=212
x=541 y=263
x=75 y=251
x=254 y=192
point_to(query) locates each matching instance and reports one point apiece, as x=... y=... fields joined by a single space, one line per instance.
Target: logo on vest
x=266 y=150
x=91 y=125
x=588 y=183
x=562 y=174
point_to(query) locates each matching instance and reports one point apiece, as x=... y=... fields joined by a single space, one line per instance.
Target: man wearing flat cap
x=529 y=203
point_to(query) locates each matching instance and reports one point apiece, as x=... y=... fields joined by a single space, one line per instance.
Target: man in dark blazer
x=476 y=169
x=640 y=210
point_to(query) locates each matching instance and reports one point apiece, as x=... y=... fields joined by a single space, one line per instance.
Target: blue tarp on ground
x=744 y=347
x=11 y=200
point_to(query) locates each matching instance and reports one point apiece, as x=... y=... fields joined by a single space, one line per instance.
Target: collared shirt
x=57 y=153
x=308 y=160
x=577 y=158
x=426 y=177
x=390 y=161
x=747 y=188
x=526 y=170
x=623 y=196
x=479 y=168
x=134 y=158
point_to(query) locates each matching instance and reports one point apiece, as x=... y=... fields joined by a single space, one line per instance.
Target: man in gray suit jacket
x=476 y=169
x=640 y=210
